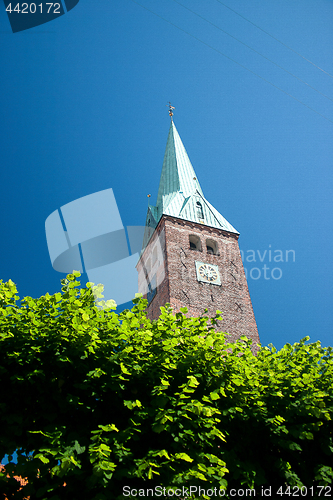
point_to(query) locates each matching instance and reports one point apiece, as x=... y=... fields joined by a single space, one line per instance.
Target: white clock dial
x=208 y=273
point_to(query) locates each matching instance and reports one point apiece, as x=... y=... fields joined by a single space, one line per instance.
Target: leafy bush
x=93 y=401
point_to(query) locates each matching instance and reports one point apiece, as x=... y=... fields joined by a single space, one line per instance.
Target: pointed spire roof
x=177 y=172
x=180 y=194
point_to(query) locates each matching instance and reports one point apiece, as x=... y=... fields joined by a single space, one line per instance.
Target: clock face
x=208 y=273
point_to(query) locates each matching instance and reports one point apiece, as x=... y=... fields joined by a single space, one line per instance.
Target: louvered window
x=200 y=214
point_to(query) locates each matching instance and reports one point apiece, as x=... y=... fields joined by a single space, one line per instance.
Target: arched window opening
x=211 y=247
x=195 y=243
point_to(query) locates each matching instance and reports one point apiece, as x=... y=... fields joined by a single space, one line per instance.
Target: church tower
x=190 y=256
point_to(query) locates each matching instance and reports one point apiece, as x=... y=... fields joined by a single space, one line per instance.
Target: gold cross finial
x=171 y=108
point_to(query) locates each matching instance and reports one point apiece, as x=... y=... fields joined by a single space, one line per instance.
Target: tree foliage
x=97 y=400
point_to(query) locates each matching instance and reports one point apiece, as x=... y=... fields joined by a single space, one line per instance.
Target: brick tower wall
x=152 y=268
x=177 y=280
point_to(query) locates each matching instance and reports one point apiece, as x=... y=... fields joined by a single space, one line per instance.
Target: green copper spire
x=178 y=176
x=179 y=193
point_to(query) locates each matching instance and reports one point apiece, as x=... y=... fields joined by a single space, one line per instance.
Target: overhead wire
x=274 y=38
x=254 y=50
x=233 y=60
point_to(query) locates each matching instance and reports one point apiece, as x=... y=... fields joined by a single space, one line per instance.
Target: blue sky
x=83 y=109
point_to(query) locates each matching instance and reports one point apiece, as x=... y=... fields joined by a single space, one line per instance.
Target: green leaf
x=124 y=369
x=295 y=446
x=79 y=449
x=42 y=458
x=183 y=456
x=108 y=428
